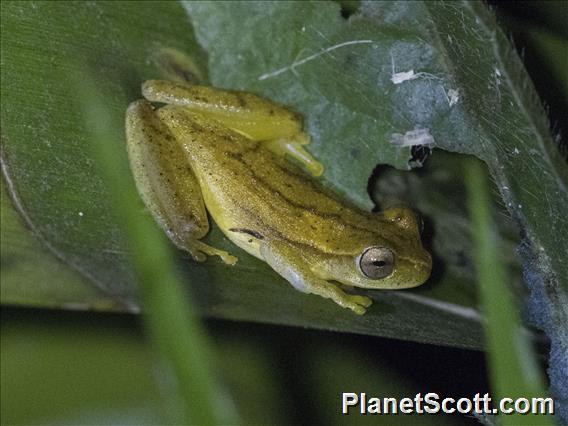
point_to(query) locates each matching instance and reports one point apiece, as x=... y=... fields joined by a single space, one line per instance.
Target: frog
x=242 y=158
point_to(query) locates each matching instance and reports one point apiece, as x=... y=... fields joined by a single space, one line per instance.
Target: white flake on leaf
x=401 y=77
x=412 y=138
x=453 y=96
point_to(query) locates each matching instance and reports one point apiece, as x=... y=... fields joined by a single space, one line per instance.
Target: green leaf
x=50 y=282
x=352 y=82
x=45 y=138
x=441 y=66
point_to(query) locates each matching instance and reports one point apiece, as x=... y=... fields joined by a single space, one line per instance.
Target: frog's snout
x=420 y=221
x=423 y=268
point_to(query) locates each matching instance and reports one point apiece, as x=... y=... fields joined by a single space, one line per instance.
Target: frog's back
x=246 y=186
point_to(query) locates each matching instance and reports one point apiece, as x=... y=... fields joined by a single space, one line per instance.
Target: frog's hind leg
x=256 y=118
x=285 y=260
x=166 y=182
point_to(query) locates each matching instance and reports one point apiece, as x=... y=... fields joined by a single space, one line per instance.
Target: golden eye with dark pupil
x=376 y=262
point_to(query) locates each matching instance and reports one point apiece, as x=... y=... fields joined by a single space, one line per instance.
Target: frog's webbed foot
x=294 y=147
x=199 y=252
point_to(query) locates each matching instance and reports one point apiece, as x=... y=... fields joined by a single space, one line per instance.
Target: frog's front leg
x=166 y=183
x=257 y=118
x=294 y=147
x=286 y=260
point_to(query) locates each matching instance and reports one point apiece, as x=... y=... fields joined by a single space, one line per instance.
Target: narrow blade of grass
x=513 y=369
x=172 y=324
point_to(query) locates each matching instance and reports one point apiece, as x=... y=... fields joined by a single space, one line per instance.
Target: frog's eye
x=376 y=262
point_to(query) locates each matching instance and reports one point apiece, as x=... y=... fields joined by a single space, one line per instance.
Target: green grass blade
x=513 y=370
x=170 y=318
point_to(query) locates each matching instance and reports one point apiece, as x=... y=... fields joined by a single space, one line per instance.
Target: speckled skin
x=223 y=151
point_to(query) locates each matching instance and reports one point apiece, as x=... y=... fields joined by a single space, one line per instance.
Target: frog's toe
x=364 y=301
x=197 y=255
x=199 y=252
x=358 y=304
x=358 y=309
x=294 y=147
x=229 y=259
x=315 y=168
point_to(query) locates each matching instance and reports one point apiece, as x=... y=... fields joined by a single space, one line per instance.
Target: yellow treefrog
x=223 y=152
